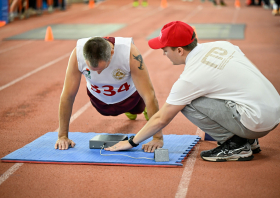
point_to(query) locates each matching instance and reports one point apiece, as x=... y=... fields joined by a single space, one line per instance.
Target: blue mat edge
x=178 y=162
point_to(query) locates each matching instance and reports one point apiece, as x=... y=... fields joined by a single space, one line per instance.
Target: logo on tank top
x=118 y=74
x=87 y=74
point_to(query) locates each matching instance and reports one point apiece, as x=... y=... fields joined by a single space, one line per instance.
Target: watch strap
x=130 y=140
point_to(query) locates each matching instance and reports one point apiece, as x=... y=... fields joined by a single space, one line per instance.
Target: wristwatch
x=130 y=140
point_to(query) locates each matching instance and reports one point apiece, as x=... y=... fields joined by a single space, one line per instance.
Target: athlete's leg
x=137 y=109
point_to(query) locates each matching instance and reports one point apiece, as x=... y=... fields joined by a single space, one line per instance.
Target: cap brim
x=155 y=44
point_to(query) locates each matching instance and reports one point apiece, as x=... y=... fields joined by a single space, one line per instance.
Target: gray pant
x=219 y=119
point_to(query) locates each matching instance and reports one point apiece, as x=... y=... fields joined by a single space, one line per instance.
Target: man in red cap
x=220 y=91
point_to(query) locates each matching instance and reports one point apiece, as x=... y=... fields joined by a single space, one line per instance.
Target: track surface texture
x=29 y=106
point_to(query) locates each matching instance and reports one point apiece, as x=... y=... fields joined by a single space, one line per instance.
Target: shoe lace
x=223 y=147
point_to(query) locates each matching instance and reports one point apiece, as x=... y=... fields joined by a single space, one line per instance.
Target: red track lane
x=29 y=108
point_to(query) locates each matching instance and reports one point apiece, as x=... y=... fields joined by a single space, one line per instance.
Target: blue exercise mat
x=42 y=150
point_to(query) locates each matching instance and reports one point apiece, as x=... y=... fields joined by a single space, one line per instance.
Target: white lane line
x=125 y=7
x=17 y=46
x=190 y=15
x=147 y=53
x=145 y=16
x=9 y=172
x=235 y=16
x=78 y=113
x=187 y=173
x=34 y=71
x=200 y=133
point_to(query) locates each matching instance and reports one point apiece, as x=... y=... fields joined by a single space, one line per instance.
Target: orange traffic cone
x=163 y=3
x=237 y=4
x=49 y=34
x=2 y=23
x=91 y=4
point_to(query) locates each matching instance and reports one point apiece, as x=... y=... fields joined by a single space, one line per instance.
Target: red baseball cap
x=173 y=34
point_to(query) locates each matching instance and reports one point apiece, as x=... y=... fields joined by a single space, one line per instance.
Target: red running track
x=29 y=107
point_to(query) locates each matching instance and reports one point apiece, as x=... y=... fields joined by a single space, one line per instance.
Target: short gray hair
x=97 y=49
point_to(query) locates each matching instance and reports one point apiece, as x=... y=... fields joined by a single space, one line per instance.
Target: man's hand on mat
x=153 y=145
x=63 y=143
x=122 y=145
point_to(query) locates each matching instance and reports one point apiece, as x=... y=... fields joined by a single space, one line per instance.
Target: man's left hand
x=122 y=145
x=153 y=145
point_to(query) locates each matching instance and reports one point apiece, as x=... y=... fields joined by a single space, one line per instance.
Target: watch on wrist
x=130 y=140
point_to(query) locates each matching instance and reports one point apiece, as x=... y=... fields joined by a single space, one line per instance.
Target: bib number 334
x=108 y=90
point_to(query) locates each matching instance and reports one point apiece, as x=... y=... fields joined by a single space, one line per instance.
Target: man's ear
x=112 y=51
x=180 y=51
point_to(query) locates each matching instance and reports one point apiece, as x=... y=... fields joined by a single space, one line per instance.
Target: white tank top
x=114 y=84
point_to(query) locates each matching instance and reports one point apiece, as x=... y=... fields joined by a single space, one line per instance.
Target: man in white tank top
x=117 y=82
x=220 y=91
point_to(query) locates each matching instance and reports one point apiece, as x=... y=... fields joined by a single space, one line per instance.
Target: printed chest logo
x=87 y=74
x=220 y=57
x=118 y=74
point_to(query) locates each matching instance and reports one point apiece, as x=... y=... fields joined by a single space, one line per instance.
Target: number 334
x=110 y=89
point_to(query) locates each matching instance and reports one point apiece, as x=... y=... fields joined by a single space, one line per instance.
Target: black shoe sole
x=246 y=158
x=239 y=159
x=257 y=150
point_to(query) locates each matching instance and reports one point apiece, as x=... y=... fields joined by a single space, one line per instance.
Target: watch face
x=131 y=137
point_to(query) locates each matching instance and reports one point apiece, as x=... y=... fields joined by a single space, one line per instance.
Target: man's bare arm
x=70 y=89
x=162 y=118
x=142 y=82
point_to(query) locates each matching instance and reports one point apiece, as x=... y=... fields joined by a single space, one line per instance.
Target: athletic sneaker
x=12 y=16
x=50 y=9
x=275 y=12
x=131 y=116
x=214 y=2
x=222 y=3
x=255 y=147
x=146 y=114
x=135 y=4
x=229 y=151
x=144 y=3
x=266 y=7
x=254 y=143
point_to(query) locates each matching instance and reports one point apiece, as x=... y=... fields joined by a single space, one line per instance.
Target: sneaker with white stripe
x=254 y=143
x=229 y=151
